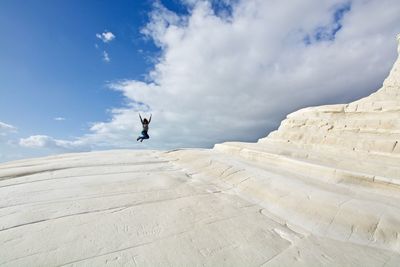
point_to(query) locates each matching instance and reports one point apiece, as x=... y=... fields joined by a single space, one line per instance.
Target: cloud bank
x=232 y=72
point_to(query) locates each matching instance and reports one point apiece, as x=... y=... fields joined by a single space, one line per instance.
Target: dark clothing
x=144 y=135
x=145 y=125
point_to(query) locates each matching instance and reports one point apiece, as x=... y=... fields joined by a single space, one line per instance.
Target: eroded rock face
x=322 y=190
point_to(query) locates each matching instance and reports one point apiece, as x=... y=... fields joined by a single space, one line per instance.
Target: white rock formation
x=322 y=190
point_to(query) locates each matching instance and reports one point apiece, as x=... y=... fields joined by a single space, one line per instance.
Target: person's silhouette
x=145 y=124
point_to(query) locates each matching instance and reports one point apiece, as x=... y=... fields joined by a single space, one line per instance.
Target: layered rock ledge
x=322 y=190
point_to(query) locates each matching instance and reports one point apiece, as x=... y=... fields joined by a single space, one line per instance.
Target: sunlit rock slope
x=322 y=190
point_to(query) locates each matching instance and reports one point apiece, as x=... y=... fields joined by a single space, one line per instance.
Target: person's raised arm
x=140 y=118
x=150 y=118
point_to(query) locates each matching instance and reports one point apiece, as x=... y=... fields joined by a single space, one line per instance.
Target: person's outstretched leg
x=145 y=135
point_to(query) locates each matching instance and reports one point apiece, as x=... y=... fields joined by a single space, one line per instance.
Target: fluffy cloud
x=44 y=141
x=234 y=72
x=106 y=36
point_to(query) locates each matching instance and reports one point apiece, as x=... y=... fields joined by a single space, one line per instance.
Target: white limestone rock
x=130 y=208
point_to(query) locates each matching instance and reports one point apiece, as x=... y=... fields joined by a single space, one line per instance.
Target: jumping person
x=145 y=124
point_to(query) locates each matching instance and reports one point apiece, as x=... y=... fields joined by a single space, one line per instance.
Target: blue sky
x=51 y=68
x=209 y=71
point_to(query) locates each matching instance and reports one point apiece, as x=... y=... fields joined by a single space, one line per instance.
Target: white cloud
x=106 y=57
x=36 y=141
x=44 y=141
x=234 y=75
x=59 y=119
x=106 y=36
x=6 y=128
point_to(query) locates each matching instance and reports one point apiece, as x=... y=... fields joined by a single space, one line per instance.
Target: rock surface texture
x=322 y=190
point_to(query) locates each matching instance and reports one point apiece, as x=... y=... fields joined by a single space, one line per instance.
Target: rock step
x=349 y=119
x=352 y=133
x=345 y=139
x=378 y=104
x=342 y=212
x=372 y=121
x=314 y=165
x=343 y=111
x=330 y=153
x=326 y=127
